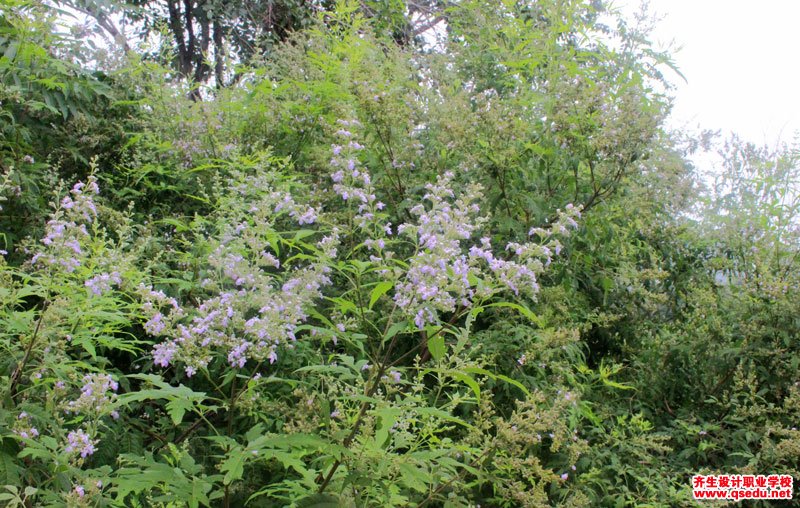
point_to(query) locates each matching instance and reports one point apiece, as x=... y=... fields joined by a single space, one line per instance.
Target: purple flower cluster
x=80 y=201
x=220 y=324
x=234 y=266
x=189 y=149
x=101 y=283
x=154 y=302
x=253 y=310
x=194 y=137
x=97 y=394
x=446 y=272
x=23 y=427
x=303 y=214
x=67 y=228
x=442 y=277
x=351 y=181
x=79 y=442
x=264 y=207
x=438 y=276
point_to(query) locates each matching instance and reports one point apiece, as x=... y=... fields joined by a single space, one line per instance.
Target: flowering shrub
x=263 y=290
x=369 y=275
x=256 y=302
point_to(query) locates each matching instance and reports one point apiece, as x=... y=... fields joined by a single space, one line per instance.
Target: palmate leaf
x=180 y=399
x=288 y=450
x=144 y=474
x=233 y=465
x=414 y=477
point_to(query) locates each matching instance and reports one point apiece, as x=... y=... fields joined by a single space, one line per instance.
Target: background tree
x=206 y=39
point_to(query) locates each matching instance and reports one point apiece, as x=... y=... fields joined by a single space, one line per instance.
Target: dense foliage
x=379 y=254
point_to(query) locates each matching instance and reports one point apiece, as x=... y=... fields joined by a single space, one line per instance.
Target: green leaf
x=19 y=322
x=514 y=382
x=340 y=371
x=177 y=408
x=460 y=376
x=233 y=465
x=379 y=290
x=522 y=310
x=386 y=420
x=344 y=306
x=303 y=233
x=177 y=224
x=437 y=347
x=395 y=329
x=414 y=477
x=179 y=398
x=442 y=415
x=491 y=375
x=9 y=470
x=618 y=386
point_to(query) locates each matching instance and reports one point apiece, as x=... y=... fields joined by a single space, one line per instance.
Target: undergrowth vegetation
x=374 y=271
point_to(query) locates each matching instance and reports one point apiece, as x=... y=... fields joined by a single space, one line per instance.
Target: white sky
x=742 y=62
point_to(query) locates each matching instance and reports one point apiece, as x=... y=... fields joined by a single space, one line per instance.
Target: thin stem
x=203 y=415
x=226 y=502
x=17 y=374
x=384 y=364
